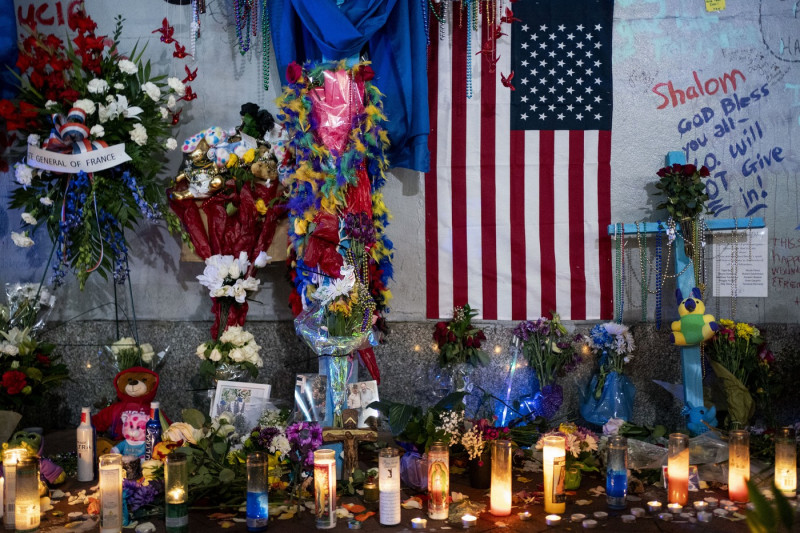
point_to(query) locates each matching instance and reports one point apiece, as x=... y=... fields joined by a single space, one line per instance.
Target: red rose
x=14 y=381
x=689 y=170
x=364 y=74
x=294 y=72
x=43 y=359
x=704 y=171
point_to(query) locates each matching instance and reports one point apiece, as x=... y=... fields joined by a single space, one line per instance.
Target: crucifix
x=350 y=436
x=691 y=360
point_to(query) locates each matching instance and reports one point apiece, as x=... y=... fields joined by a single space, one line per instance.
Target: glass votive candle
x=419 y=523
x=26 y=503
x=786 y=462
x=11 y=457
x=110 y=476
x=438 y=481
x=675 y=508
x=700 y=505
x=617 y=472
x=678 y=468
x=325 y=488
x=389 y=487
x=370 y=492
x=176 y=496
x=257 y=507
x=738 y=464
x=500 y=492
x=554 y=462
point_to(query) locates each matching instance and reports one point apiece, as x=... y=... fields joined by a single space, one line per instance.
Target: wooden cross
x=350 y=436
x=690 y=355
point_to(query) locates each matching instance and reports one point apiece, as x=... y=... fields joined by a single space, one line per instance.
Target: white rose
x=29 y=219
x=50 y=104
x=21 y=239
x=147 y=352
x=33 y=139
x=152 y=90
x=171 y=144
x=139 y=134
x=171 y=102
x=97 y=131
x=44 y=200
x=119 y=86
x=236 y=355
x=128 y=67
x=261 y=260
x=87 y=105
x=164 y=112
x=201 y=351
x=176 y=85
x=216 y=355
x=97 y=86
x=24 y=174
x=234 y=271
x=222 y=292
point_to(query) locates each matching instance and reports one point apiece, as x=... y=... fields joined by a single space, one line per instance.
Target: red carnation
x=14 y=381
x=294 y=72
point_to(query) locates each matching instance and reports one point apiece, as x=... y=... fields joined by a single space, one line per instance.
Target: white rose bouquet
x=126 y=353
x=235 y=347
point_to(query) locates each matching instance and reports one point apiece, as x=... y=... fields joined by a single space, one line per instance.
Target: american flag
x=518 y=198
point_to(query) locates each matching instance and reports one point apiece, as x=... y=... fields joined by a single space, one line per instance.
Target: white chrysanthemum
x=280 y=444
x=171 y=102
x=50 y=104
x=152 y=90
x=97 y=131
x=127 y=66
x=87 y=105
x=119 y=86
x=33 y=139
x=139 y=134
x=97 y=86
x=337 y=287
x=28 y=219
x=23 y=174
x=44 y=200
x=164 y=112
x=21 y=239
x=171 y=144
x=177 y=85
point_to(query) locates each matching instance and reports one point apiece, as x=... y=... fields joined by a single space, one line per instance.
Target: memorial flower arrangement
x=550 y=352
x=125 y=353
x=684 y=190
x=29 y=305
x=743 y=363
x=112 y=115
x=28 y=369
x=478 y=433
x=613 y=343
x=458 y=341
x=581 y=446
x=235 y=347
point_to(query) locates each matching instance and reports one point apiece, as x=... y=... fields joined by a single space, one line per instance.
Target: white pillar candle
x=389 y=487
x=500 y=497
x=110 y=475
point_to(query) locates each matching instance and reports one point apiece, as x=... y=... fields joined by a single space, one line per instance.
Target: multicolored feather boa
x=322 y=181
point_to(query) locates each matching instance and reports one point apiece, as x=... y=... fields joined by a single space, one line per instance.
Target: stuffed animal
x=694 y=326
x=701 y=418
x=34 y=443
x=133 y=429
x=136 y=387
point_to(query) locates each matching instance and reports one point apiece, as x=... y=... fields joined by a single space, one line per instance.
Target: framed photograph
x=246 y=401
x=359 y=396
x=310 y=397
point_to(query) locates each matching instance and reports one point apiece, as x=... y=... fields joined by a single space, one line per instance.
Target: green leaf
x=399 y=416
x=785 y=512
x=194 y=418
x=220 y=447
x=763 y=515
x=226 y=475
x=451 y=400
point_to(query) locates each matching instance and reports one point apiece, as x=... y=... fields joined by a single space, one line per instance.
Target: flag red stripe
x=517 y=218
x=604 y=219
x=431 y=196
x=577 y=267
x=458 y=167
x=488 y=189
x=547 y=245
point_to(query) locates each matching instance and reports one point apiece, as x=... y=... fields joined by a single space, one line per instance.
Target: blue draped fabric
x=8 y=49
x=392 y=34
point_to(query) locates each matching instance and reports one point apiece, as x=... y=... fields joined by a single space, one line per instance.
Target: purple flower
x=304 y=437
x=359 y=227
x=265 y=436
x=141 y=495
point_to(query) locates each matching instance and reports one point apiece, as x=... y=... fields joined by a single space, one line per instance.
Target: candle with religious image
x=438 y=481
x=554 y=467
x=110 y=478
x=389 y=487
x=26 y=503
x=786 y=462
x=176 y=497
x=738 y=464
x=11 y=457
x=678 y=468
x=500 y=492
x=257 y=498
x=325 y=488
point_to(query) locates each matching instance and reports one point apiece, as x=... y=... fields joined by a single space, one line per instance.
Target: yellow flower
x=567 y=428
x=725 y=323
x=745 y=331
x=232 y=161
x=249 y=156
x=261 y=207
x=340 y=306
x=300 y=226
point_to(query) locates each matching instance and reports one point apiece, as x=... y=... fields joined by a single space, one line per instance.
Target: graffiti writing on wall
x=47 y=13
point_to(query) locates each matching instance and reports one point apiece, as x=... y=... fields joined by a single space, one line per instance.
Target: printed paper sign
x=740 y=257
x=94 y=161
x=715 y=5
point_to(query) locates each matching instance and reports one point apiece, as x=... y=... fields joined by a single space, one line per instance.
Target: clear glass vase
x=230 y=372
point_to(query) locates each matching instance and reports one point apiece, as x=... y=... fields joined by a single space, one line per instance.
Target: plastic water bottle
x=86 y=446
x=152 y=431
